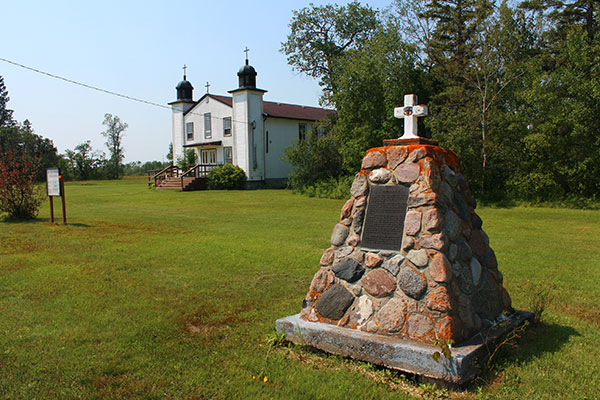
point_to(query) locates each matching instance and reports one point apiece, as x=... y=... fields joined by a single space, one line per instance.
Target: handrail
x=199 y=170
x=174 y=169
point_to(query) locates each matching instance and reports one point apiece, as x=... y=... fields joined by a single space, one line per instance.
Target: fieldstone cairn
x=409 y=259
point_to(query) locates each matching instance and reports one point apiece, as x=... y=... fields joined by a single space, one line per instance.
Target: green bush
x=332 y=188
x=226 y=177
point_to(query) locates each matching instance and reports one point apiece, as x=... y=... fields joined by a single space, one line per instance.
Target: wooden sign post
x=55 y=187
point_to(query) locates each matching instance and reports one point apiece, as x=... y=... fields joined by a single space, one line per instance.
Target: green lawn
x=155 y=294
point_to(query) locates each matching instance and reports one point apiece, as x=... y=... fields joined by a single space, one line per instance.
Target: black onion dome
x=185 y=90
x=247 y=76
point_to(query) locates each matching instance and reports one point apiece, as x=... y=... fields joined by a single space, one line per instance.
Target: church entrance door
x=209 y=156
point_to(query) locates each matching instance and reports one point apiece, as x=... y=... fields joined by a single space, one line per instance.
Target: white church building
x=241 y=129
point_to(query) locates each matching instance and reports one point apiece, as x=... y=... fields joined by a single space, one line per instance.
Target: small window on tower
x=227 y=126
x=189 y=130
x=207 y=126
x=301 y=131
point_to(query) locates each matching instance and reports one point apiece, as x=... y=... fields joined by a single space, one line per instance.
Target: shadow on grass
x=537 y=340
x=57 y=221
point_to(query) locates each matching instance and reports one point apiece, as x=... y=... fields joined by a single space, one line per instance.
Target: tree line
x=80 y=163
x=513 y=89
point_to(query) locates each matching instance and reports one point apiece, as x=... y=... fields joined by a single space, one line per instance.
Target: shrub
x=332 y=188
x=19 y=197
x=226 y=177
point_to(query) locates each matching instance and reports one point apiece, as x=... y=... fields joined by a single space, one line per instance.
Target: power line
x=85 y=85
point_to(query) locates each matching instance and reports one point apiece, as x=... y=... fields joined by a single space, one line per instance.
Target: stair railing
x=197 y=171
x=165 y=173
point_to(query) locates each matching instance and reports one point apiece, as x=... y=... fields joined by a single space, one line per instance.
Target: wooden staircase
x=172 y=177
x=184 y=184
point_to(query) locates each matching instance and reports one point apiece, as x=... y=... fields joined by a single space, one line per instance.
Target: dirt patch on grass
x=584 y=312
x=210 y=321
x=17 y=246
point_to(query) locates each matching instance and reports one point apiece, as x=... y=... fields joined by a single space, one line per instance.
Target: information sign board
x=53 y=181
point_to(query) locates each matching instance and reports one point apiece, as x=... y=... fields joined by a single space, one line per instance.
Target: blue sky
x=138 y=48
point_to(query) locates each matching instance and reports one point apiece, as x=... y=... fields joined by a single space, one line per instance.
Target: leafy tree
x=20 y=198
x=114 y=135
x=188 y=160
x=373 y=82
x=5 y=114
x=85 y=163
x=314 y=159
x=21 y=138
x=320 y=35
x=170 y=153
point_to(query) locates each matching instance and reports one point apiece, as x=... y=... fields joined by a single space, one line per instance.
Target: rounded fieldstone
x=417 y=154
x=439 y=300
x=476 y=221
x=408 y=243
x=353 y=240
x=347 y=208
x=436 y=242
x=477 y=243
x=364 y=309
x=418 y=326
x=378 y=283
x=412 y=283
x=342 y=252
x=359 y=186
x=475 y=270
x=453 y=225
x=412 y=222
x=348 y=269
x=490 y=259
x=423 y=199
x=452 y=251
x=418 y=257
x=407 y=173
x=396 y=155
x=380 y=175
x=393 y=264
x=449 y=176
x=339 y=234
x=431 y=220
x=444 y=328
x=464 y=251
x=357 y=220
x=392 y=316
x=440 y=268
x=322 y=279
x=359 y=203
x=334 y=302
x=374 y=159
x=372 y=260
x=327 y=257
x=461 y=207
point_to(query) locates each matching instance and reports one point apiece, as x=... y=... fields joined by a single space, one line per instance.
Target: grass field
x=155 y=294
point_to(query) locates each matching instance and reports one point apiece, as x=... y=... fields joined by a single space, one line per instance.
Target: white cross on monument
x=410 y=112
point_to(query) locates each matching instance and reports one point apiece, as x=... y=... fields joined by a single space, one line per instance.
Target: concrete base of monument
x=401 y=354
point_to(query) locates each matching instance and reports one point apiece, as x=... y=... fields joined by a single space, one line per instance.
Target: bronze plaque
x=384 y=221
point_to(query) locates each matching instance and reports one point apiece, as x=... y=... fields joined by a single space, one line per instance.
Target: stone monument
x=409 y=269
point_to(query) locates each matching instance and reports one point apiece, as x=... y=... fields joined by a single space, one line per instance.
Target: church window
x=207 y=126
x=227 y=126
x=189 y=130
x=301 y=131
x=227 y=155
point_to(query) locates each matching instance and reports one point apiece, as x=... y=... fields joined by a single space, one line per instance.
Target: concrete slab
x=401 y=354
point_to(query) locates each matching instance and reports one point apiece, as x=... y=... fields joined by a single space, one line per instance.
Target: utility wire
x=85 y=85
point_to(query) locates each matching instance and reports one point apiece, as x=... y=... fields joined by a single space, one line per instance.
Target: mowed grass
x=160 y=294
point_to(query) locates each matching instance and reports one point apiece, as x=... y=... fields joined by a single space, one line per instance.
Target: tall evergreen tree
x=5 y=114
